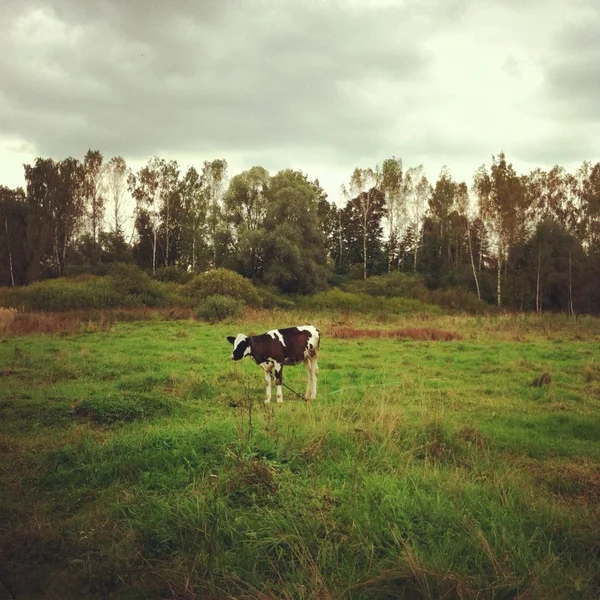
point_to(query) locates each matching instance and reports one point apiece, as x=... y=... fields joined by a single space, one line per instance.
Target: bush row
x=405 y=286
x=222 y=293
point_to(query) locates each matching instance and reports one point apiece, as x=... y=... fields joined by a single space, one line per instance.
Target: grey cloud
x=572 y=80
x=191 y=77
x=280 y=82
x=562 y=148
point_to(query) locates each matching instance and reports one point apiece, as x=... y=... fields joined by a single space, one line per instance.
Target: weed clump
x=543 y=379
x=250 y=481
x=472 y=437
x=436 y=442
x=591 y=372
x=571 y=480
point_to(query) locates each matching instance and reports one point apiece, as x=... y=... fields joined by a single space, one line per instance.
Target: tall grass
x=140 y=462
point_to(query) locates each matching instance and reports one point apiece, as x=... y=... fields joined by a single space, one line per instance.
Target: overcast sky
x=324 y=86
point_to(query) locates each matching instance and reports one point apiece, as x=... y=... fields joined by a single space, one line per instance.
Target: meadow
x=445 y=457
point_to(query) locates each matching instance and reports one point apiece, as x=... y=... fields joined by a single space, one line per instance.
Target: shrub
x=270 y=297
x=457 y=298
x=218 y=307
x=130 y=280
x=392 y=284
x=138 y=287
x=223 y=282
x=172 y=274
x=63 y=294
x=86 y=269
x=402 y=285
x=125 y=286
x=337 y=299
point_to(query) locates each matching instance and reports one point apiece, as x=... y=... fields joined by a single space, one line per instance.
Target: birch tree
x=392 y=188
x=155 y=189
x=418 y=191
x=214 y=176
x=501 y=202
x=93 y=198
x=195 y=199
x=441 y=204
x=114 y=177
x=364 y=186
x=462 y=204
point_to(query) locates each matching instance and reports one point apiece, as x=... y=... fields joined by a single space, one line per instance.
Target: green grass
x=140 y=462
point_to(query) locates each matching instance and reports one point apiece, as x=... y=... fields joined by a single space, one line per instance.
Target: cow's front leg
x=267 y=387
x=278 y=381
x=307 y=366
x=315 y=376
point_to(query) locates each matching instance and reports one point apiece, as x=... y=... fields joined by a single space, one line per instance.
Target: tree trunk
x=391 y=237
x=340 y=231
x=167 y=239
x=472 y=261
x=117 y=228
x=522 y=294
x=416 y=250
x=571 y=311
x=499 y=281
x=154 y=251
x=194 y=250
x=538 y=308
x=364 y=247
x=12 y=275
x=56 y=253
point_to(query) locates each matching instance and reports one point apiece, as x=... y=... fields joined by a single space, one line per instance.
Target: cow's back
x=289 y=346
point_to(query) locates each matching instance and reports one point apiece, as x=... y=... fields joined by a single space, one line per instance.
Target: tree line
x=520 y=241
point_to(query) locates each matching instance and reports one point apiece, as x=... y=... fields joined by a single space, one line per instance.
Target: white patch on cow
x=240 y=338
x=277 y=367
x=276 y=335
x=267 y=387
x=313 y=340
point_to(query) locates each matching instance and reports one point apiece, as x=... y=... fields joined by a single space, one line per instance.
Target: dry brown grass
x=414 y=333
x=571 y=481
x=29 y=322
x=7 y=316
x=13 y=322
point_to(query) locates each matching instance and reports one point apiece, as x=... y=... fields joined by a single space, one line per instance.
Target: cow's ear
x=230 y=339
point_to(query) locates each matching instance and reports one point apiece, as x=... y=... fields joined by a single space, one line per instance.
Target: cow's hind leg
x=267 y=387
x=278 y=381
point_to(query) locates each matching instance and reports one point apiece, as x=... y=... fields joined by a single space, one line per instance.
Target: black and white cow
x=279 y=347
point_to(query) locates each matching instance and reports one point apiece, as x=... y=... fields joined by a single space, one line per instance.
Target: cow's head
x=241 y=346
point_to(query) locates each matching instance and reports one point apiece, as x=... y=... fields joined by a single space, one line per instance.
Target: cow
x=277 y=348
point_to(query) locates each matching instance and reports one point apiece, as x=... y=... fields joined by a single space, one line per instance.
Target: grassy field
x=138 y=461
